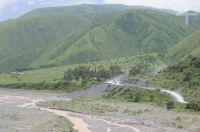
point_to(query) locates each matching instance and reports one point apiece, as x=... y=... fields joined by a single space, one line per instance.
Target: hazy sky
x=14 y=8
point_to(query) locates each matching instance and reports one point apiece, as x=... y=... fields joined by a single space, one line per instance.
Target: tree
x=137 y=98
x=115 y=70
x=83 y=73
x=170 y=105
x=69 y=75
x=102 y=74
x=78 y=73
x=194 y=105
x=134 y=71
x=151 y=98
x=188 y=76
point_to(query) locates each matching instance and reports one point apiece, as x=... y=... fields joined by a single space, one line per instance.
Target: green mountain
x=24 y=39
x=183 y=74
x=130 y=33
x=188 y=46
x=66 y=35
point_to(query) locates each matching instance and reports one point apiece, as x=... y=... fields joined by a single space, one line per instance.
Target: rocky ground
x=19 y=112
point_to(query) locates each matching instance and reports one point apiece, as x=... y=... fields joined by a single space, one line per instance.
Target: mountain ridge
x=33 y=41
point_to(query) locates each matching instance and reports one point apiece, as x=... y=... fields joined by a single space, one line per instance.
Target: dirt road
x=117 y=82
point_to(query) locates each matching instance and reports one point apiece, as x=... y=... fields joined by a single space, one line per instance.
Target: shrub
x=170 y=105
x=194 y=105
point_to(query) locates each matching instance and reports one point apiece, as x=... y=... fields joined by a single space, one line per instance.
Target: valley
x=44 y=38
x=100 y=68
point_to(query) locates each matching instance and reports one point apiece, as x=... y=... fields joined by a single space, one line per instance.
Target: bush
x=194 y=105
x=170 y=105
x=188 y=76
x=134 y=71
x=115 y=70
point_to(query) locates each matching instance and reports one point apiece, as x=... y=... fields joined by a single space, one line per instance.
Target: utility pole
x=188 y=14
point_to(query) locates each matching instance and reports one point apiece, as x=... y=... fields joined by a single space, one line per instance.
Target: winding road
x=117 y=81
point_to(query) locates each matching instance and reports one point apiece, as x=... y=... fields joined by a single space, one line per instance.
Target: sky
x=10 y=9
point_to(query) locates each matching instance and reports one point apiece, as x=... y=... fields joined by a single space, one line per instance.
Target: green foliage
x=86 y=74
x=115 y=70
x=186 y=47
x=145 y=66
x=183 y=76
x=81 y=72
x=55 y=74
x=170 y=105
x=138 y=95
x=188 y=76
x=194 y=105
x=134 y=71
x=66 y=86
x=81 y=77
x=78 y=34
x=69 y=74
x=102 y=74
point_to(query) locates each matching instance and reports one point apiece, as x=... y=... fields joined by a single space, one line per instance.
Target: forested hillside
x=183 y=77
x=78 y=34
x=184 y=73
x=188 y=46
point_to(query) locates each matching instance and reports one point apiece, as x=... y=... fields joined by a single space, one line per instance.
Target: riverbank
x=126 y=117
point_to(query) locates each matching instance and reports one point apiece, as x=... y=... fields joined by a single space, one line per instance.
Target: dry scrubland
x=97 y=113
x=145 y=116
x=13 y=119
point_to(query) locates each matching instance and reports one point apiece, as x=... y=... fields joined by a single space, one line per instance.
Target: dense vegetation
x=78 y=34
x=187 y=46
x=79 y=78
x=63 y=77
x=86 y=74
x=138 y=95
x=65 y=86
x=185 y=77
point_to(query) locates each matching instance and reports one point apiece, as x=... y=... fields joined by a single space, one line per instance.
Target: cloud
x=178 y=5
x=23 y=6
x=15 y=8
x=3 y=3
x=31 y=2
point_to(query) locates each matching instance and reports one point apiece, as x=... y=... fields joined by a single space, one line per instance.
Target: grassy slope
x=28 y=37
x=130 y=33
x=173 y=76
x=23 y=40
x=188 y=46
x=84 y=31
x=54 y=74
